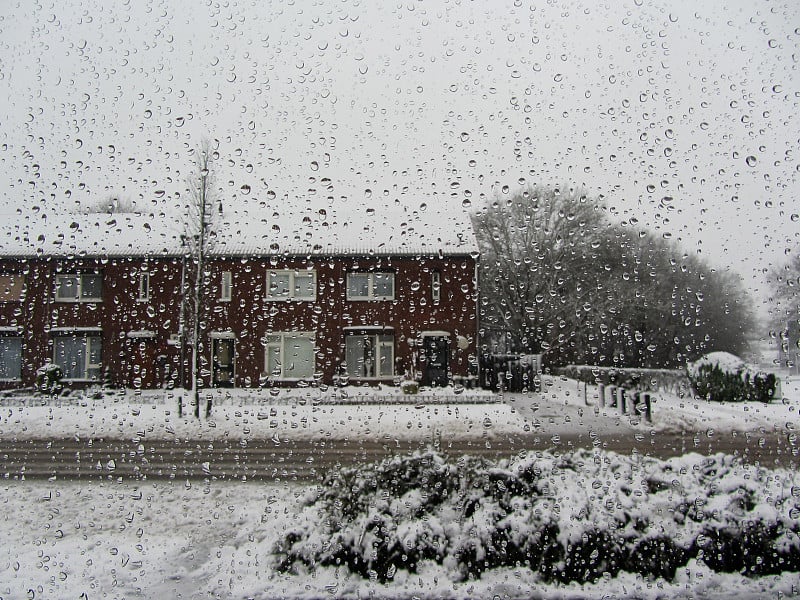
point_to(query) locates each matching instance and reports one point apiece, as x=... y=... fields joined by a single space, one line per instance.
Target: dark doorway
x=223 y=363
x=436 y=352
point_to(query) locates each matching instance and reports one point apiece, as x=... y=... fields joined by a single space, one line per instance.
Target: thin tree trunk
x=198 y=293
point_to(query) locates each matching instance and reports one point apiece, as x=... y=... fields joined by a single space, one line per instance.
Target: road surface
x=271 y=460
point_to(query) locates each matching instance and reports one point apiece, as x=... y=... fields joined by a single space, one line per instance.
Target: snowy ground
x=563 y=406
x=172 y=539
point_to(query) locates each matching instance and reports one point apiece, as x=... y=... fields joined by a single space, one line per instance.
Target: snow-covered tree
x=785 y=323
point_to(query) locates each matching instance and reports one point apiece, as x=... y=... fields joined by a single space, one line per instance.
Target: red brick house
x=316 y=296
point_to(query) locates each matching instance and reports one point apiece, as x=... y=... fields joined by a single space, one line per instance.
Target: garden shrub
x=539 y=513
x=48 y=379
x=722 y=377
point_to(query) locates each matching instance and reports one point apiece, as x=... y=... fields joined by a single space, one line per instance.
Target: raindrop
x=245 y=189
x=751 y=161
x=464 y=136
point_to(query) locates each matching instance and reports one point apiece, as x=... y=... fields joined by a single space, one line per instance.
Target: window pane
x=278 y=285
x=91 y=286
x=10 y=357
x=225 y=285
x=304 y=285
x=70 y=355
x=11 y=287
x=95 y=346
x=67 y=287
x=384 y=285
x=273 y=360
x=355 y=355
x=298 y=353
x=386 y=355
x=357 y=285
x=144 y=286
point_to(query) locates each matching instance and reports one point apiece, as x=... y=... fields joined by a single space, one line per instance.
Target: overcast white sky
x=372 y=103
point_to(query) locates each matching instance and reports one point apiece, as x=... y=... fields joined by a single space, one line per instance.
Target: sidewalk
x=559 y=409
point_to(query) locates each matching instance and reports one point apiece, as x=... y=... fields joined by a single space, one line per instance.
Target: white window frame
x=371 y=295
x=89 y=343
x=280 y=345
x=16 y=280
x=18 y=376
x=225 y=286
x=79 y=277
x=144 y=287
x=291 y=293
x=382 y=349
x=436 y=286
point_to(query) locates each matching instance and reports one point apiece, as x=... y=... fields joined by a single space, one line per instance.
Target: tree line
x=558 y=276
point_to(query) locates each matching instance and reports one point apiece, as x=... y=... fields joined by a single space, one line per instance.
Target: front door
x=436 y=352
x=223 y=363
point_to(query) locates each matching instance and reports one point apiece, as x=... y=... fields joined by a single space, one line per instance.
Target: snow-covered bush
x=48 y=379
x=723 y=377
x=576 y=517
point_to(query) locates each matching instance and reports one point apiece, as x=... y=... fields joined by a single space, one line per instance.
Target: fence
x=673 y=381
x=628 y=402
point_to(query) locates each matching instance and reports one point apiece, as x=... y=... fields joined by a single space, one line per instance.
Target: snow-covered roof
x=321 y=230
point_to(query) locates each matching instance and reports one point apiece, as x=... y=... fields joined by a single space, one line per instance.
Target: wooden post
x=648 y=408
x=601 y=391
x=621 y=400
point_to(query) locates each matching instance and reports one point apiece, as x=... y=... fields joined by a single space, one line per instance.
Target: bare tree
x=111 y=204
x=536 y=245
x=559 y=277
x=198 y=239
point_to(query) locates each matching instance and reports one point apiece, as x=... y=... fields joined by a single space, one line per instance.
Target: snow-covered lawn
x=562 y=407
x=566 y=405
x=172 y=539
